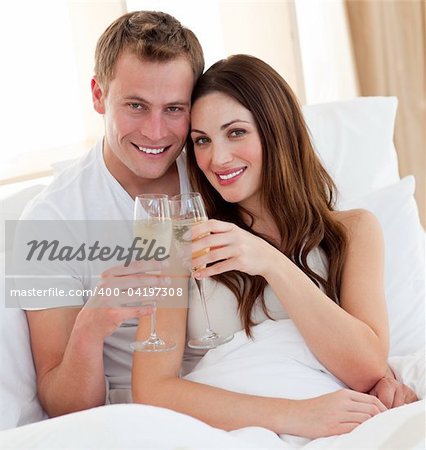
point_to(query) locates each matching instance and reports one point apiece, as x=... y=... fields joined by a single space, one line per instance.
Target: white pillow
x=11 y=207
x=411 y=370
x=19 y=404
x=354 y=139
x=404 y=237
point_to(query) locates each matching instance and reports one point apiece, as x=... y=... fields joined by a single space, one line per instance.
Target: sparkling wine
x=180 y=227
x=158 y=229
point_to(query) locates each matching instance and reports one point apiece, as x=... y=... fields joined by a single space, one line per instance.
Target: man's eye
x=135 y=106
x=173 y=108
x=237 y=133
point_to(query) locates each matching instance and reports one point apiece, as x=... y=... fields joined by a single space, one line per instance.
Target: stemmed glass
x=188 y=210
x=152 y=221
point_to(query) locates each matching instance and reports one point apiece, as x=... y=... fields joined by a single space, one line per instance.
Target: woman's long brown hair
x=295 y=187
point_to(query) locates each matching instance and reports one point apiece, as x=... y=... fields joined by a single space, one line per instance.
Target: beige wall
x=268 y=30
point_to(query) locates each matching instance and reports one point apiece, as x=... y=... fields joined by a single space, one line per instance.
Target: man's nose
x=154 y=126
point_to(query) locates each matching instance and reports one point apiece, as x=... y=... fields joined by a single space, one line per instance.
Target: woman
x=275 y=239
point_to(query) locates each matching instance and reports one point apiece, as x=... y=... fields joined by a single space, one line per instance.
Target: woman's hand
x=231 y=248
x=336 y=413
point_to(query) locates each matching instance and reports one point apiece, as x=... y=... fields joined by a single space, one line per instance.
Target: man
x=146 y=66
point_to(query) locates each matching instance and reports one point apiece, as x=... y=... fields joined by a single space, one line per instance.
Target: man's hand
x=112 y=305
x=391 y=392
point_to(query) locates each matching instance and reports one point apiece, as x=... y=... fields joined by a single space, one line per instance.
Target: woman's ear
x=98 y=97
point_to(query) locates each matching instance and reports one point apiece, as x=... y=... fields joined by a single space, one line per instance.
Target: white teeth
x=154 y=151
x=230 y=175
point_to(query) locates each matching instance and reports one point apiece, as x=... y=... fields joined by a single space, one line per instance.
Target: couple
x=277 y=244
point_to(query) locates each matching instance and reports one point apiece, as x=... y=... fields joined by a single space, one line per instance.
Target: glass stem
x=153 y=335
x=201 y=288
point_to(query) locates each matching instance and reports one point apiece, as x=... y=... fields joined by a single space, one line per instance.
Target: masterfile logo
x=54 y=251
x=63 y=263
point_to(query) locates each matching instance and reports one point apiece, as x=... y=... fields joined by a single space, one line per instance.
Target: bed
x=355 y=141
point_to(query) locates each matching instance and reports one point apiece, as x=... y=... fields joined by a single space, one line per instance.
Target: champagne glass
x=152 y=222
x=188 y=210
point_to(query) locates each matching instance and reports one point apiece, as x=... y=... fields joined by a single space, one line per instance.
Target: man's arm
x=68 y=362
x=68 y=343
x=391 y=392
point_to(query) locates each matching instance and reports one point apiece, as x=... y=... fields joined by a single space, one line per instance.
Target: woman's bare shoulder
x=357 y=220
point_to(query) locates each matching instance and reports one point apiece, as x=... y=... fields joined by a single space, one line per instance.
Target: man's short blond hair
x=150 y=35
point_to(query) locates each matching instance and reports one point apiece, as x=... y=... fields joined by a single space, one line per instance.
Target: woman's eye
x=237 y=133
x=200 y=141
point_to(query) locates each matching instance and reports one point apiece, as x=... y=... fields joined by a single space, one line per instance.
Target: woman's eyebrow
x=224 y=126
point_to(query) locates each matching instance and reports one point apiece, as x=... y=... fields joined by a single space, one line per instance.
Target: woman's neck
x=262 y=222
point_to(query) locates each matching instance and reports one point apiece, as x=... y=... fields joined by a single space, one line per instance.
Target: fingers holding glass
x=152 y=222
x=187 y=211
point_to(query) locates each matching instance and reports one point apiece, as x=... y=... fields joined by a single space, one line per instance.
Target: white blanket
x=139 y=426
x=258 y=367
x=276 y=362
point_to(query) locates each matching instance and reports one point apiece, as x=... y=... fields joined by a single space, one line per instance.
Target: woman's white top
x=223 y=309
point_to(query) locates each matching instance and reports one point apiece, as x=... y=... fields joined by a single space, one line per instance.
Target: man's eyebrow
x=137 y=98
x=179 y=103
x=223 y=127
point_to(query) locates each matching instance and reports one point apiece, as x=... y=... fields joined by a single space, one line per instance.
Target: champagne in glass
x=152 y=221
x=188 y=210
x=159 y=230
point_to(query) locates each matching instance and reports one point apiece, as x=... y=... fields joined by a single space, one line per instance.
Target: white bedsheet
x=140 y=426
x=276 y=362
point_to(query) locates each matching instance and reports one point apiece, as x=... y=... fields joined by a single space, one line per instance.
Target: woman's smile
x=227 y=177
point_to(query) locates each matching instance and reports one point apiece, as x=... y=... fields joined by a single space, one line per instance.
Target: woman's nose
x=220 y=155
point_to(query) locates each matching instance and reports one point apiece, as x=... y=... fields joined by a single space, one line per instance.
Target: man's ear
x=98 y=97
